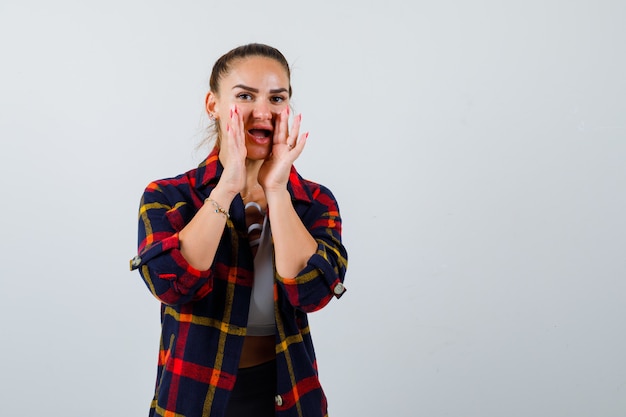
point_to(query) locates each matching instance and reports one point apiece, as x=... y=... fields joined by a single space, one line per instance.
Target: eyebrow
x=256 y=90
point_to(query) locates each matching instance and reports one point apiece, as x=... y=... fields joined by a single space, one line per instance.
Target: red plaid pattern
x=204 y=313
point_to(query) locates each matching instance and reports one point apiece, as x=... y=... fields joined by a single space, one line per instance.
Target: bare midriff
x=257 y=350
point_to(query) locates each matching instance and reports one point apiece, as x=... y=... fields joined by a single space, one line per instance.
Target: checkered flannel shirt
x=204 y=313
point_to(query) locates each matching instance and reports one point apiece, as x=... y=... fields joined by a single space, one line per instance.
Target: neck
x=252 y=174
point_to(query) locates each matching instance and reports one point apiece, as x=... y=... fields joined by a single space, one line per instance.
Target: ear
x=210 y=103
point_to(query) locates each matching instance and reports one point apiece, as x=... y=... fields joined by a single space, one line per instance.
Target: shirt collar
x=298 y=188
x=210 y=170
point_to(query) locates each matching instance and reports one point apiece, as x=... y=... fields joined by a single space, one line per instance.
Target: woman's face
x=259 y=87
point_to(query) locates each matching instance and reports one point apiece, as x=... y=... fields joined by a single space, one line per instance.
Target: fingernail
x=306 y=135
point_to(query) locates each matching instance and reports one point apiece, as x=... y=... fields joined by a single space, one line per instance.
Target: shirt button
x=135 y=262
x=339 y=289
x=279 y=400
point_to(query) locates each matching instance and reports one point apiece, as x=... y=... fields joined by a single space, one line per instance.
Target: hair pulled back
x=224 y=64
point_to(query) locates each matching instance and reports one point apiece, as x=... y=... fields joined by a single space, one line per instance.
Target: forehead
x=257 y=71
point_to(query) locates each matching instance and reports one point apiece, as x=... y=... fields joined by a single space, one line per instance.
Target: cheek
x=245 y=109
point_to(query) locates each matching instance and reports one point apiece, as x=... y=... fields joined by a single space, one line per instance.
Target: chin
x=256 y=154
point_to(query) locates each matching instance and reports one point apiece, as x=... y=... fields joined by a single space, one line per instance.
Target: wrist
x=275 y=196
x=221 y=196
x=217 y=208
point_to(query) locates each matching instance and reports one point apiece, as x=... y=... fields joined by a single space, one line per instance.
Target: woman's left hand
x=286 y=148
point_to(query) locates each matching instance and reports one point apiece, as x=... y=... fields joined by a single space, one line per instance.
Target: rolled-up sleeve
x=161 y=265
x=323 y=276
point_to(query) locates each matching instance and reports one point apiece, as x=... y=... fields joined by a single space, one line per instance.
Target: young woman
x=238 y=251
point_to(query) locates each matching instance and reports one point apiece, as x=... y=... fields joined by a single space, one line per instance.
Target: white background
x=476 y=149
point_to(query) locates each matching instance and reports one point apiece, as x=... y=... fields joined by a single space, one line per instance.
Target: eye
x=244 y=96
x=277 y=99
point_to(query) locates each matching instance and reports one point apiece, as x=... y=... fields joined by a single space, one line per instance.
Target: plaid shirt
x=204 y=313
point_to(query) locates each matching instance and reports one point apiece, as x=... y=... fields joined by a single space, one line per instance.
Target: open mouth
x=260 y=135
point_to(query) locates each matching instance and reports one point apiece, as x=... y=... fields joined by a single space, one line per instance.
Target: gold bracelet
x=218 y=208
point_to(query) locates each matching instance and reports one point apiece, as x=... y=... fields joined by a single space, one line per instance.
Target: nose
x=262 y=111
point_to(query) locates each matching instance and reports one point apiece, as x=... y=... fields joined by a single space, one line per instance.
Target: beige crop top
x=261 y=321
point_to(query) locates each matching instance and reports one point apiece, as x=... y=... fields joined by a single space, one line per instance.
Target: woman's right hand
x=200 y=238
x=233 y=154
